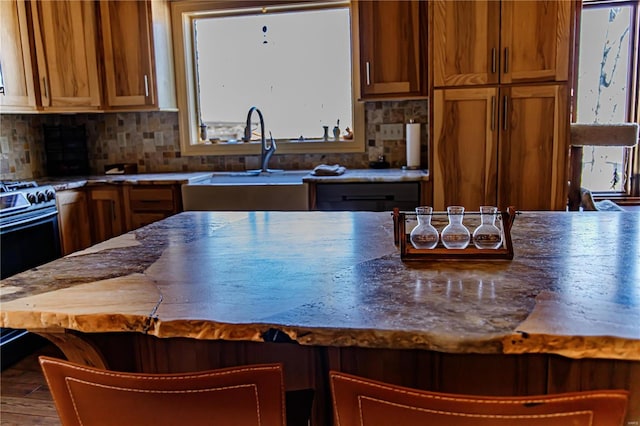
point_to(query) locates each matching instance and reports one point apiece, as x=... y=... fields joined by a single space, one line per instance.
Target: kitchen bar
x=210 y=289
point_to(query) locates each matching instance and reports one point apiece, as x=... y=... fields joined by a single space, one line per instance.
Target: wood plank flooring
x=24 y=396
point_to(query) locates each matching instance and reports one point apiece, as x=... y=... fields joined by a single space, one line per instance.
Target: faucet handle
x=272 y=142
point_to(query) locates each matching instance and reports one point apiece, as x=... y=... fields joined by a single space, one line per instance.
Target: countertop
x=371 y=175
x=75 y=182
x=351 y=175
x=336 y=279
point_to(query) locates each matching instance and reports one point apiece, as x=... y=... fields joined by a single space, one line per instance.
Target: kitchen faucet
x=265 y=152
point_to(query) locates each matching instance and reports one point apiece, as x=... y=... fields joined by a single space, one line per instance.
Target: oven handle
x=30 y=220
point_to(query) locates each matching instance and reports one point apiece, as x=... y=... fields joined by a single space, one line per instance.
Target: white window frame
x=182 y=15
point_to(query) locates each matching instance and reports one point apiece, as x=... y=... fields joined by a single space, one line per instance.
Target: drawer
x=152 y=199
x=367 y=196
x=141 y=219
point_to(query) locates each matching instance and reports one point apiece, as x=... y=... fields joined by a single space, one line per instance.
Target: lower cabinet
x=96 y=213
x=502 y=146
x=145 y=204
x=367 y=196
x=107 y=213
x=73 y=220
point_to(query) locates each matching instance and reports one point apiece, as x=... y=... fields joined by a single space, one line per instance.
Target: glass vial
x=455 y=235
x=487 y=235
x=424 y=235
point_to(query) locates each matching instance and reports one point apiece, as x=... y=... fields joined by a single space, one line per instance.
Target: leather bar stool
x=241 y=396
x=364 y=402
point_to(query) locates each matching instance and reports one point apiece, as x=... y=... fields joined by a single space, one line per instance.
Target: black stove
x=22 y=198
x=29 y=237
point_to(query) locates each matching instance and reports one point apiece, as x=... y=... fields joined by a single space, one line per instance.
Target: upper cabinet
x=126 y=42
x=392 y=48
x=136 y=47
x=86 y=56
x=17 y=90
x=65 y=40
x=508 y=41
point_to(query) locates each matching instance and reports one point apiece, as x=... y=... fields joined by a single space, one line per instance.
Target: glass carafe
x=455 y=235
x=424 y=235
x=487 y=235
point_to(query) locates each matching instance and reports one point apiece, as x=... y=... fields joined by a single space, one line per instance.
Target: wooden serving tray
x=409 y=252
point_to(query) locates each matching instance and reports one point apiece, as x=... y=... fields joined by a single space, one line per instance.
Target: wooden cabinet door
x=145 y=204
x=535 y=40
x=466 y=40
x=465 y=147
x=65 y=39
x=16 y=72
x=128 y=52
x=533 y=145
x=73 y=218
x=390 y=47
x=106 y=213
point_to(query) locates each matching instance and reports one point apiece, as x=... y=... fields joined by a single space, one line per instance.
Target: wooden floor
x=24 y=395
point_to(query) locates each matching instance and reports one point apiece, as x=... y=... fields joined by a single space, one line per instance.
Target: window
x=606 y=90
x=292 y=61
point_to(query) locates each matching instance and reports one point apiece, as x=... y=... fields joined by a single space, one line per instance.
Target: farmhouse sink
x=246 y=191
x=256 y=177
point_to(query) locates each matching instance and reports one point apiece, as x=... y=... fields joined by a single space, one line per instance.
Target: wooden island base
x=307 y=367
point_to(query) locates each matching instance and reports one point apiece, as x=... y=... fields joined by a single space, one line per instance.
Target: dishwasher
x=367 y=196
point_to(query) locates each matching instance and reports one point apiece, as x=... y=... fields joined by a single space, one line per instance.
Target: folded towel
x=328 y=170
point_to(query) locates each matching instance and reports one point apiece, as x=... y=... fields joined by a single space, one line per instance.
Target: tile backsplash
x=151 y=140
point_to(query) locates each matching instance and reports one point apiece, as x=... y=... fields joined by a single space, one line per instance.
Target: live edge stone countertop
x=336 y=279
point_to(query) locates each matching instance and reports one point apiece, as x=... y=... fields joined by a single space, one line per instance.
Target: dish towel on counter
x=328 y=170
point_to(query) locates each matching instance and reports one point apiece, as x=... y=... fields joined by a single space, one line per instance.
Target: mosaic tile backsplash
x=151 y=140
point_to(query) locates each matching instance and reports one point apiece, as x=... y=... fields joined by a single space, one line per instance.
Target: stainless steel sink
x=252 y=190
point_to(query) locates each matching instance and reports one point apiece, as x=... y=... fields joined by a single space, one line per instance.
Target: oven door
x=28 y=241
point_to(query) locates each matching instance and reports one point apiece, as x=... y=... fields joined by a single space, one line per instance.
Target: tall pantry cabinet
x=500 y=103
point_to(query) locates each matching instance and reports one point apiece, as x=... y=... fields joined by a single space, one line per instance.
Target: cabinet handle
x=493 y=113
x=146 y=86
x=368 y=198
x=368 y=68
x=1 y=81
x=506 y=60
x=504 y=113
x=493 y=60
x=46 y=87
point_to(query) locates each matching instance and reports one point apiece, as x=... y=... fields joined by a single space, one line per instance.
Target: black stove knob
x=50 y=195
x=31 y=197
x=41 y=197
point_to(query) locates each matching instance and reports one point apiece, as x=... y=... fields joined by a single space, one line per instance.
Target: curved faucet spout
x=265 y=152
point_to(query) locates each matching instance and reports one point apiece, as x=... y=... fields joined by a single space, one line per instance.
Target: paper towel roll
x=413 y=145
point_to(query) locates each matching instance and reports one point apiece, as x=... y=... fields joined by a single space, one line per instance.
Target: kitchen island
x=320 y=290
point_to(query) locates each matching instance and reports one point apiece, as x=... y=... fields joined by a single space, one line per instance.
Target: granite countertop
x=75 y=182
x=371 y=175
x=336 y=279
x=351 y=175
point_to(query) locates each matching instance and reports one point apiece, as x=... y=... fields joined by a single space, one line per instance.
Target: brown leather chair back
x=251 y=395
x=364 y=402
